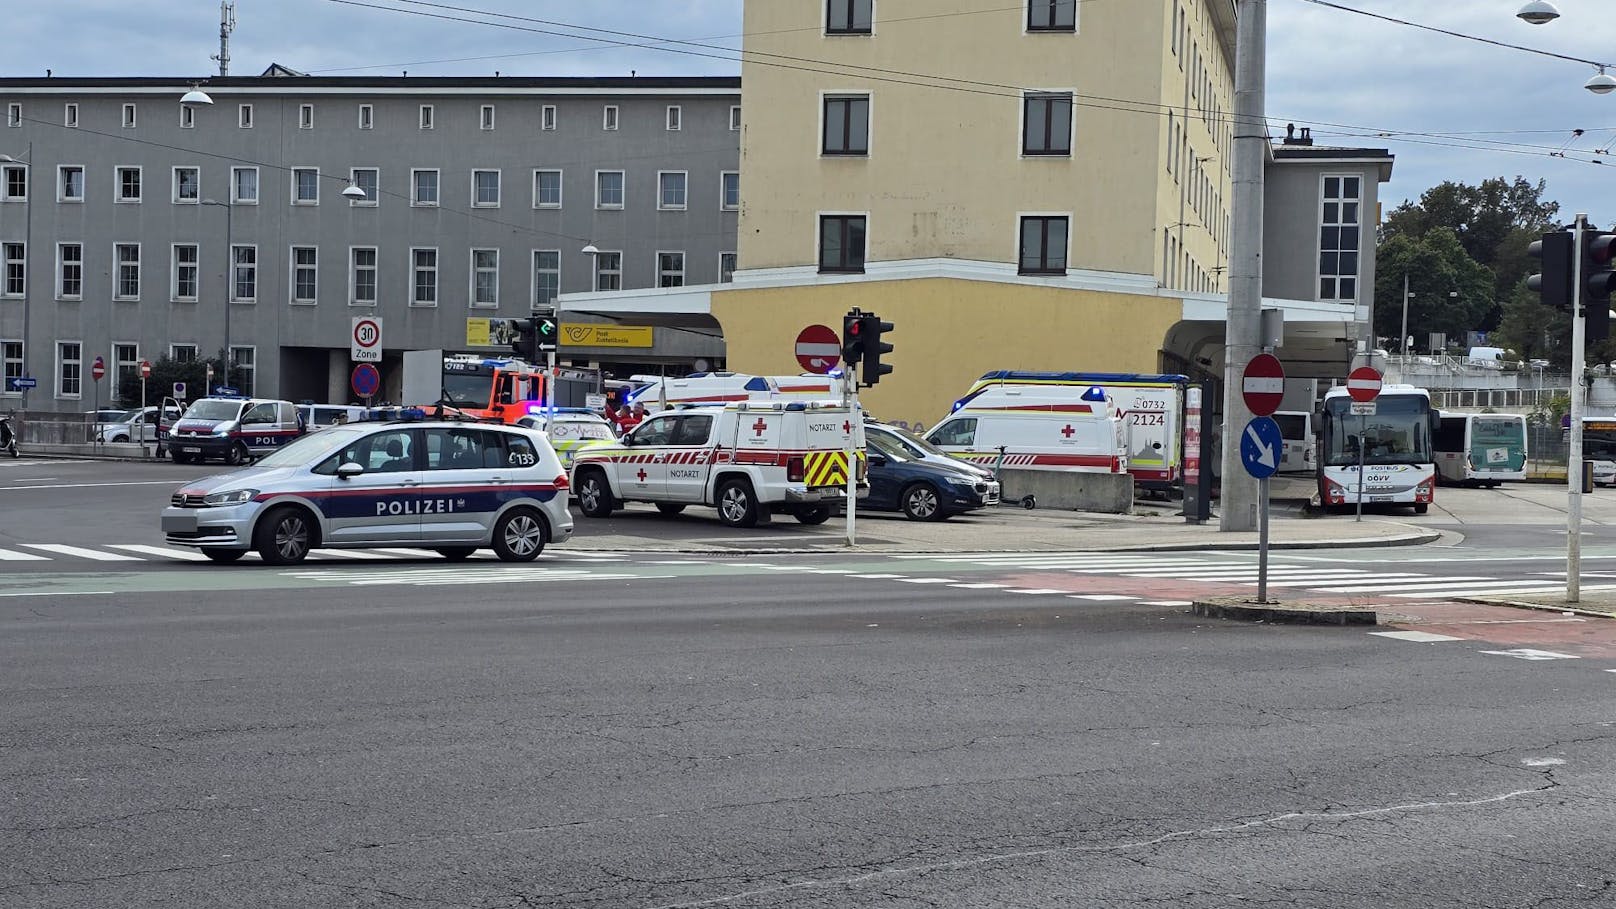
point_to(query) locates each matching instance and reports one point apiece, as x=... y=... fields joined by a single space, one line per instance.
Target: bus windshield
x=1599 y=438
x=1398 y=432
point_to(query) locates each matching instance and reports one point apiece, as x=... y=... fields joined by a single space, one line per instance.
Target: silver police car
x=452 y=487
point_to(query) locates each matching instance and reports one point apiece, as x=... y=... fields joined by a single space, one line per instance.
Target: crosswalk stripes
x=80 y=552
x=19 y=552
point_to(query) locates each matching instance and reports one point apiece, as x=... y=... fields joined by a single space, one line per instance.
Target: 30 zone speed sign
x=367 y=339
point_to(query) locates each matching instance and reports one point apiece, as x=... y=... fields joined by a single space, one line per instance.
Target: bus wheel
x=1421 y=508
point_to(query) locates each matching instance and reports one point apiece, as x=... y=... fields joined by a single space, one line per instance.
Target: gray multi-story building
x=128 y=218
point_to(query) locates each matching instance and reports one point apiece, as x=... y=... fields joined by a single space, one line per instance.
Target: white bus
x=1481 y=448
x=1296 y=428
x=1399 y=465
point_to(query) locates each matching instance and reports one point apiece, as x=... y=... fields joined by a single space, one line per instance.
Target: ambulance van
x=729 y=387
x=1041 y=429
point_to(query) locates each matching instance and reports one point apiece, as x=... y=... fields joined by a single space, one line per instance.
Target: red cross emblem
x=1067 y=432
x=847 y=426
x=759 y=426
x=642 y=474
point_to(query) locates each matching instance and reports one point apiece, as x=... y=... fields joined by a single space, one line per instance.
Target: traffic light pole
x=855 y=420
x=1579 y=403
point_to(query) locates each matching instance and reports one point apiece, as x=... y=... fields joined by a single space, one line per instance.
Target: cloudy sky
x=1449 y=108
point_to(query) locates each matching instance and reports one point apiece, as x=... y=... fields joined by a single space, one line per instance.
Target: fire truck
x=494 y=388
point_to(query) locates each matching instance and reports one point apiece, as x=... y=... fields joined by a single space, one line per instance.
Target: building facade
x=127 y=218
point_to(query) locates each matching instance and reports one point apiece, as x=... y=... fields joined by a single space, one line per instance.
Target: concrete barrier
x=110 y=450
x=1070 y=490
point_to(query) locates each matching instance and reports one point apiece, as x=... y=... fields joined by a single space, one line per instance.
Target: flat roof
x=491 y=85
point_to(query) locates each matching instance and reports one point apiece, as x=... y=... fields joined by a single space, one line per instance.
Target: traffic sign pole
x=1261 y=446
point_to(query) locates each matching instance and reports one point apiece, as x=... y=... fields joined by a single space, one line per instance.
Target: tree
x=1533 y=330
x=166 y=372
x=1436 y=265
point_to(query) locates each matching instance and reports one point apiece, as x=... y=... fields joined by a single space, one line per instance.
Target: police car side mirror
x=347 y=470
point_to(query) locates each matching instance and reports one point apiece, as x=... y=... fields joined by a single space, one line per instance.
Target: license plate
x=1381 y=498
x=179 y=523
x=190 y=450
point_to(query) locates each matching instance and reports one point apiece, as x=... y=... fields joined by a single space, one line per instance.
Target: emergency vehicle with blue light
x=728 y=387
x=232 y=429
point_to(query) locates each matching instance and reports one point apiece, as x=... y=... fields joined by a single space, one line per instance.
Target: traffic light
x=1598 y=280
x=853 y=338
x=870 y=335
x=521 y=336
x=1553 y=283
x=545 y=331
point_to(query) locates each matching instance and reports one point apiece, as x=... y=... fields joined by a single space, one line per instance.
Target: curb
x=1405 y=540
x=1284 y=613
x=1563 y=609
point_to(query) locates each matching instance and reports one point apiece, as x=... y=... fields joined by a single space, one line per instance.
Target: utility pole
x=227 y=24
x=1579 y=406
x=1243 y=326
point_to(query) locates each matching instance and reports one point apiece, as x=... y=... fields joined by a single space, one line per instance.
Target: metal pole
x=1262 y=542
x=1363 y=430
x=1402 y=339
x=27 y=278
x=1243 y=327
x=143 y=413
x=1579 y=401
x=229 y=282
x=854 y=420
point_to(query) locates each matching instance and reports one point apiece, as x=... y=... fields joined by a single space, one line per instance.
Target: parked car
x=925 y=486
x=320 y=416
x=1604 y=473
x=137 y=425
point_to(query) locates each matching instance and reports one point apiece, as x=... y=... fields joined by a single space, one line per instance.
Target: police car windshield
x=214 y=410
x=311 y=448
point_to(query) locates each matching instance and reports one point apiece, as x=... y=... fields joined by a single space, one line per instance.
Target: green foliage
x=1533 y=330
x=165 y=372
x=1436 y=265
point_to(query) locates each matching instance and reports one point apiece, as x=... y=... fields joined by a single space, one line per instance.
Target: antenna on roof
x=227 y=24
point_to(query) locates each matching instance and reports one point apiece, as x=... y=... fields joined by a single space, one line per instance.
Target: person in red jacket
x=628 y=419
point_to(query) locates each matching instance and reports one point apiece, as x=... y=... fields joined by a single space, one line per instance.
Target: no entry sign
x=1363 y=383
x=1263 y=385
x=818 y=348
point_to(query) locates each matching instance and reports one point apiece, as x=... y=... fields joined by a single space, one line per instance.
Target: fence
x=36 y=427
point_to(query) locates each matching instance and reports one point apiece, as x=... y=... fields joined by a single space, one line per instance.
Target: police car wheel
x=737 y=507
x=224 y=555
x=595 y=496
x=670 y=508
x=455 y=553
x=920 y=503
x=519 y=536
x=179 y=458
x=818 y=514
x=237 y=455
x=284 y=536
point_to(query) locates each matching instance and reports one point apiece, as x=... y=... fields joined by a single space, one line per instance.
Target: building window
x=244 y=274
x=675 y=116
x=14 y=115
x=547 y=117
x=187 y=185
x=1052 y=15
x=69 y=363
x=305 y=186
x=485 y=189
x=547 y=189
x=424 y=278
x=546 y=278
x=187 y=117
x=69 y=271
x=127 y=256
x=608 y=117
x=841 y=243
x=16 y=184
x=1339 y=230
x=182 y=353
x=726 y=267
x=671 y=190
x=244 y=185
x=128 y=184
x=305 y=116
x=368 y=179
x=424 y=187
x=848 y=17
x=426 y=116
x=362 y=276
x=305 y=274
x=244 y=116
x=367 y=116
x=735 y=118
x=125 y=365
x=244 y=369
x=847 y=125
x=670 y=269
x=10 y=366
x=608 y=271
x=485 y=117
x=70 y=115
x=183 y=279
x=70 y=183
x=1047 y=124
x=729 y=190
x=1043 y=246
x=16 y=263
x=608 y=189
x=485 y=277
x=128 y=116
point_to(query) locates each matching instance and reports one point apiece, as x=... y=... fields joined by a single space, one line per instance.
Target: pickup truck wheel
x=737 y=506
x=920 y=503
x=817 y=514
x=595 y=495
x=670 y=508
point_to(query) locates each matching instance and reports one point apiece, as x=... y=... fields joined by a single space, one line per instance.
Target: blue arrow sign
x=1260 y=447
x=225 y=390
x=18 y=383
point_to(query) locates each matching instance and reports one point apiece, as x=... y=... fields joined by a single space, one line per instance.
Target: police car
x=452 y=487
x=233 y=429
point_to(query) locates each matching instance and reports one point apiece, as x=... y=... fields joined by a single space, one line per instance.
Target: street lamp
x=354 y=194
x=196 y=95
x=1602 y=83
x=27 y=257
x=229 y=279
x=1538 y=12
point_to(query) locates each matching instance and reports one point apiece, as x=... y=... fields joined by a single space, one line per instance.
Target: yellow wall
x=984 y=326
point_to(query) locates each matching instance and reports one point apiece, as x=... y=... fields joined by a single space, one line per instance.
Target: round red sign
x=145 y=369
x=98 y=369
x=1263 y=385
x=1363 y=383
x=818 y=349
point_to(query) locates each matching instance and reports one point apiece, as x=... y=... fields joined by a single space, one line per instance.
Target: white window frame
x=122 y=366
x=425 y=116
x=353 y=275
x=248 y=365
x=547 y=117
x=734 y=118
x=471 y=295
x=534 y=302
x=14 y=115
x=415 y=189
x=416 y=269
x=1026 y=21
x=680 y=271
x=734 y=263
x=498 y=181
x=130 y=115
x=118 y=171
x=723 y=190
x=619 y=206
x=598 y=271
x=1318 y=240
x=675 y=120
x=6 y=263
x=244 y=116
x=62 y=171
x=485 y=117
x=5 y=182
x=291 y=279
x=174 y=266
x=236 y=265
x=61 y=363
x=236 y=198
x=174 y=184
x=661 y=203
x=609 y=117
x=187 y=117
x=70 y=115
x=560 y=187
x=117 y=272
x=11 y=367
x=367 y=116
x=61 y=263
x=305 y=116
x=174 y=351
x=370 y=199
x=298 y=171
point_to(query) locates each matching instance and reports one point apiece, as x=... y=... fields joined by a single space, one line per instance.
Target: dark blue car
x=911 y=475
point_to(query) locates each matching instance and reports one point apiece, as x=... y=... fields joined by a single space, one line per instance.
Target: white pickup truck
x=749 y=460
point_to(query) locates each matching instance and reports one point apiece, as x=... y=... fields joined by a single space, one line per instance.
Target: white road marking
x=980 y=586
x=81 y=553
x=927 y=580
x=11 y=555
x=32 y=479
x=94 y=485
x=1098 y=596
x=349 y=554
x=1400 y=581
x=1421 y=637
x=1526 y=653
x=1497 y=587
x=162 y=552
x=1035 y=590
x=1168 y=603
x=59 y=593
x=1545 y=761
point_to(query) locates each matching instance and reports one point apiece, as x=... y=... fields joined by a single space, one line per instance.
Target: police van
x=234 y=430
x=749 y=460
